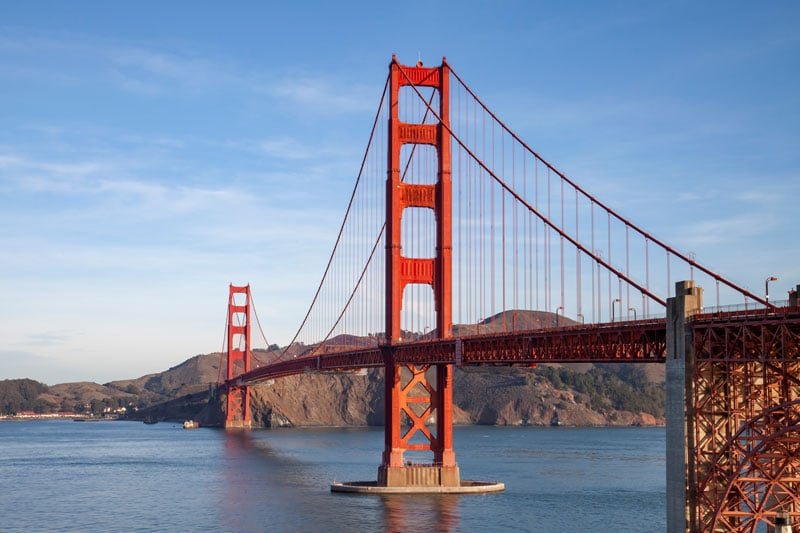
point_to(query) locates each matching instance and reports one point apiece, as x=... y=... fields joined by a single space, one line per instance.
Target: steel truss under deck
x=746 y=402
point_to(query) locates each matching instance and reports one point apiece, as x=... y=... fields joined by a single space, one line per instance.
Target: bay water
x=128 y=476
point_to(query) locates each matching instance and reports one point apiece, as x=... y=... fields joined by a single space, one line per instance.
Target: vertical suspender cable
x=548 y=252
x=646 y=312
x=594 y=265
x=460 y=185
x=538 y=244
x=515 y=232
x=492 y=226
x=579 y=311
x=610 y=261
x=562 y=248
x=503 y=225
x=627 y=269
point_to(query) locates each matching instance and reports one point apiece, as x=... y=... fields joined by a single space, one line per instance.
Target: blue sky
x=153 y=152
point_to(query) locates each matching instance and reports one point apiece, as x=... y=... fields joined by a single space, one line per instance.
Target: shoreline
x=55 y=416
x=79 y=418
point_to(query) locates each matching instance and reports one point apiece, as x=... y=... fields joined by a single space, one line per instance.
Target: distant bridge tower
x=413 y=394
x=238 y=396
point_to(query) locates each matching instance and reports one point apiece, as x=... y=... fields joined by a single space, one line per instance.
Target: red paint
x=418 y=395
x=238 y=403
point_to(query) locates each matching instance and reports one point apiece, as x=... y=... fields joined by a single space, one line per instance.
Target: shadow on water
x=267 y=489
x=279 y=480
x=250 y=473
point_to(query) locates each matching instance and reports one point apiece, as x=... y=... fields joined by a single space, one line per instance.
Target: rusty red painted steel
x=745 y=406
x=238 y=395
x=402 y=270
x=643 y=341
x=764 y=336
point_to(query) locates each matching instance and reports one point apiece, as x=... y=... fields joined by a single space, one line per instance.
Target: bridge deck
x=641 y=341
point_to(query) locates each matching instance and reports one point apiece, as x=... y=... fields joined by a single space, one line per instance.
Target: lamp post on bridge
x=634 y=312
x=614 y=305
x=766 y=287
x=559 y=317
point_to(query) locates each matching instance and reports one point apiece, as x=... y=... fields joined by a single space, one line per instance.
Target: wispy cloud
x=286 y=148
x=110 y=172
x=136 y=85
x=50 y=338
x=727 y=230
x=48 y=369
x=323 y=96
x=154 y=72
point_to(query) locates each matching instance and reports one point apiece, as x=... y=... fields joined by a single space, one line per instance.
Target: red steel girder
x=643 y=341
x=773 y=336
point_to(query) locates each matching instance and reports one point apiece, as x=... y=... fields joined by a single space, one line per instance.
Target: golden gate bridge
x=454 y=220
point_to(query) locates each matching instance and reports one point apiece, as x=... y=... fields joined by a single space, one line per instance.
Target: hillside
x=548 y=395
x=568 y=394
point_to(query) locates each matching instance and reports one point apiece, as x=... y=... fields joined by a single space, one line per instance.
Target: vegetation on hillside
x=17 y=395
x=623 y=387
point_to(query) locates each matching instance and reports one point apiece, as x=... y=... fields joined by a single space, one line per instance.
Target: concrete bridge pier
x=794 y=297
x=681 y=486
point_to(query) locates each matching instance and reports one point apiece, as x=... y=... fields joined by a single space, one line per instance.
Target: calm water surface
x=127 y=476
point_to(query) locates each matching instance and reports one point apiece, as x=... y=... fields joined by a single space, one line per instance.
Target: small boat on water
x=191 y=424
x=150 y=420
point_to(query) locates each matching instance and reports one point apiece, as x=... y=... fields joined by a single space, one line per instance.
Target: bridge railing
x=640 y=341
x=745 y=310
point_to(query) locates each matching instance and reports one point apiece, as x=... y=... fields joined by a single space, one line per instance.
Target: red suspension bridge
x=455 y=229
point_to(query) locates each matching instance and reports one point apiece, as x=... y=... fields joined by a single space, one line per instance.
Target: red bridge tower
x=238 y=396
x=413 y=394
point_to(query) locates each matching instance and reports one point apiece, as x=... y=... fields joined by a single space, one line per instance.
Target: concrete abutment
x=419 y=476
x=681 y=486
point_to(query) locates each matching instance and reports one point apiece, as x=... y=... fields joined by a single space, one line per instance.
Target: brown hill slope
x=497 y=397
x=576 y=394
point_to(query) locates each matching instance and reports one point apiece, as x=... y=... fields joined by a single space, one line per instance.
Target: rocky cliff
x=497 y=397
